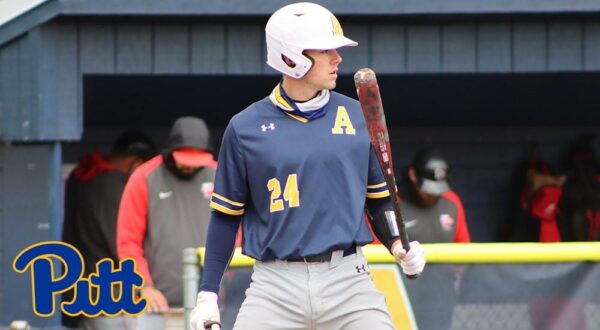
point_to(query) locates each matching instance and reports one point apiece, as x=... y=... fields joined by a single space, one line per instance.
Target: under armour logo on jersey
x=264 y=128
x=361 y=269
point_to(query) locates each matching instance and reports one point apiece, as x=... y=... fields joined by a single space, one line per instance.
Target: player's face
x=427 y=199
x=187 y=170
x=324 y=72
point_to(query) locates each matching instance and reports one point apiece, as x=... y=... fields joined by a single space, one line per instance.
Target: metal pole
x=191 y=277
x=56 y=210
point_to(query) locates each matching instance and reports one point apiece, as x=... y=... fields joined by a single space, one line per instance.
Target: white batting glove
x=413 y=262
x=206 y=312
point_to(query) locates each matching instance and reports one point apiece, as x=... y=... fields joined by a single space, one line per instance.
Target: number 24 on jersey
x=291 y=194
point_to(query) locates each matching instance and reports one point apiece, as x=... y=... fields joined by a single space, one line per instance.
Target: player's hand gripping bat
x=209 y=325
x=370 y=102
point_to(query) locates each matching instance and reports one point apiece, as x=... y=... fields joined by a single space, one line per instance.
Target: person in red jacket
x=433 y=213
x=165 y=209
x=92 y=194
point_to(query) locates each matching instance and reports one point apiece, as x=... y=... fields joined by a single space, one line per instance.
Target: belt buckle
x=322 y=257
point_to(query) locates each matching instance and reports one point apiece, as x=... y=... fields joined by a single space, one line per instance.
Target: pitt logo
x=343 y=125
x=264 y=128
x=93 y=296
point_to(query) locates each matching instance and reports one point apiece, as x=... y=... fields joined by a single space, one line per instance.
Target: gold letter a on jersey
x=343 y=125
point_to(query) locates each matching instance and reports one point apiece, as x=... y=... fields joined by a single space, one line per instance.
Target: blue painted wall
x=29 y=204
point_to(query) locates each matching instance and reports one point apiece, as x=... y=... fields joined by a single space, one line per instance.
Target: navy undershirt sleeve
x=376 y=205
x=220 y=243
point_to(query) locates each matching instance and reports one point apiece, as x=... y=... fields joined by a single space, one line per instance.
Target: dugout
x=478 y=79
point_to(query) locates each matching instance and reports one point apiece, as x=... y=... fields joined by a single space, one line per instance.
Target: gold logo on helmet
x=337 y=28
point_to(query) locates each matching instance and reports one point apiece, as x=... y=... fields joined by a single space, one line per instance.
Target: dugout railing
x=526 y=286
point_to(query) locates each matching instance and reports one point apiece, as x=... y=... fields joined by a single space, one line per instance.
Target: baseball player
x=296 y=169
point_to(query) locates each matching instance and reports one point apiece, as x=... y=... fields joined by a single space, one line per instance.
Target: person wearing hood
x=92 y=194
x=165 y=209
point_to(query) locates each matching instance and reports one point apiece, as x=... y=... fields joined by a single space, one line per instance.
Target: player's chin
x=331 y=84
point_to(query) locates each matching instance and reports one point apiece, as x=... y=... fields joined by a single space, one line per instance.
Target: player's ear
x=134 y=163
x=412 y=175
x=287 y=61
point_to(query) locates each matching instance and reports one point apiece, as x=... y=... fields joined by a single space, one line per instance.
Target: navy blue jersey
x=299 y=185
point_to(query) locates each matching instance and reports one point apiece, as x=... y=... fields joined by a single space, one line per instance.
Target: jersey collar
x=302 y=111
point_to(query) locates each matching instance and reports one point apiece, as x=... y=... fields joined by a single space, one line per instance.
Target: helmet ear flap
x=277 y=53
x=312 y=60
x=287 y=61
x=292 y=64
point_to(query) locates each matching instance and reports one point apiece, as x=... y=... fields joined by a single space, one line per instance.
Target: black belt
x=325 y=256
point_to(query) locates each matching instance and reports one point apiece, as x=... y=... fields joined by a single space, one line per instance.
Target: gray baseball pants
x=334 y=295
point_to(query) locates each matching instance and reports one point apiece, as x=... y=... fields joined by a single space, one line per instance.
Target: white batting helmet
x=297 y=27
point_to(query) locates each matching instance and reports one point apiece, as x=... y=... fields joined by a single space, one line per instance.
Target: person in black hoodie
x=92 y=194
x=165 y=209
x=579 y=207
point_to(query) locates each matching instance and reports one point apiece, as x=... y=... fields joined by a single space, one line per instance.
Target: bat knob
x=413 y=276
x=364 y=75
x=212 y=325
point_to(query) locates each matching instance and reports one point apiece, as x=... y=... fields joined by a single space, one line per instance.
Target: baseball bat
x=372 y=108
